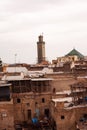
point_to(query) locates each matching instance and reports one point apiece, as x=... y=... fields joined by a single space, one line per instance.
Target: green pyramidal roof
x=75 y=52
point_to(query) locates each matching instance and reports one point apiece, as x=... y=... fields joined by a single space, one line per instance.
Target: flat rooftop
x=65 y=99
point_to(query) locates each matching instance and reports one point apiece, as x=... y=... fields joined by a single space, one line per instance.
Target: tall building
x=41 y=49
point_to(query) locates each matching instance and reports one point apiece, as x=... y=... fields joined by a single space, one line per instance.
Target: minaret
x=41 y=49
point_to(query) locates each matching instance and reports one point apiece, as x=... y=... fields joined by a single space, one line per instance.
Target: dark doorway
x=29 y=114
x=54 y=90
x=46 y=112
x=18 y=100
x=85 y=116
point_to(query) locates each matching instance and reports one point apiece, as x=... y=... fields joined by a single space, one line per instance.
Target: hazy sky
x=62 y=22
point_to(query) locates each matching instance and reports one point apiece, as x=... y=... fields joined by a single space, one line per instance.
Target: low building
x=30 y=97
x=6 y=107
x=68 y=111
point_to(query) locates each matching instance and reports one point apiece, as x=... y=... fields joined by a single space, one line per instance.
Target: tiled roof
x=75 y=52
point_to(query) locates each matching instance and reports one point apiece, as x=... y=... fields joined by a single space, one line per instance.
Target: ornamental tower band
x=41 y=49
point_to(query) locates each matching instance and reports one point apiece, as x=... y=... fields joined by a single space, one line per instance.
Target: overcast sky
x=62 y=22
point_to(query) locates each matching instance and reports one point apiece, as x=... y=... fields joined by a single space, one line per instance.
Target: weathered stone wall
x=66 y=118
x=62 y=81
x=43 y=105
x=6 y=116
x=21 y=108
x=80 y=111
x=30 y=102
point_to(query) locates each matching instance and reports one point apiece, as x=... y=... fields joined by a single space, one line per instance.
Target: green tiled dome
x=75 y=52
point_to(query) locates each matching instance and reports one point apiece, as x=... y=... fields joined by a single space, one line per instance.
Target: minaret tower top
x=40 y=38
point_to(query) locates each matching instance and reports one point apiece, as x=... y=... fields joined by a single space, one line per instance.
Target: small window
x=54 y=90
x=29 y=114
x=62 y=117
x=36 y=103
x=28 y=104
x=43 y=100
x=18 y=100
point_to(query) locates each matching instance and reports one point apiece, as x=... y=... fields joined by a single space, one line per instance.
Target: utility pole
x=15 y=62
